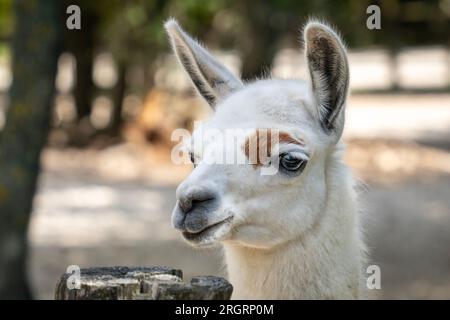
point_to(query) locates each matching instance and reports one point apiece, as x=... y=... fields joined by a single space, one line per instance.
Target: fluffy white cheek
x=265 y=221
x=256 y=225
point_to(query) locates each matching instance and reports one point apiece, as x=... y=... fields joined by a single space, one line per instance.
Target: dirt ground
x=110 y=207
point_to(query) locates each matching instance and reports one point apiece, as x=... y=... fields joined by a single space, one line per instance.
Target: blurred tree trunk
x=257 y=60
x=84 y=85
x=35 y=47
x=82 y=43
x=260 y=51
x=118 y=97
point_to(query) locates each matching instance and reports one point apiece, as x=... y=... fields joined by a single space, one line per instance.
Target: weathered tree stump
x=141 y=283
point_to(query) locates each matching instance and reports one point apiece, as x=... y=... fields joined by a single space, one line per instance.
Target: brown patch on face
x=285 y=137
x=258 y=146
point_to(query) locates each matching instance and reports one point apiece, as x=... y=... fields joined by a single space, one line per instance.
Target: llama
x=295 y=234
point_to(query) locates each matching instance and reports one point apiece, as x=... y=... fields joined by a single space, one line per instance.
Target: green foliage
x=133 y=30
x=6 y=18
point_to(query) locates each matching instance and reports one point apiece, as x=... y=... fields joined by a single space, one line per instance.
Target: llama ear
x=212 y=80
x=328 y=68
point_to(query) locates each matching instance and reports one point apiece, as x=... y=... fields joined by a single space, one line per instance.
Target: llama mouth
x=206 y=233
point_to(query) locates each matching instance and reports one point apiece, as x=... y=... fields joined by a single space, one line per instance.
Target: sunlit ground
x=112 y=207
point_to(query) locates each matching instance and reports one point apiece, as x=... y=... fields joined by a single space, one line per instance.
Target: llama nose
x=190 y=200
x=193 y=209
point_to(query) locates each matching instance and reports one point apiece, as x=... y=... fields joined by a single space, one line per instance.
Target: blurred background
x=86 y=117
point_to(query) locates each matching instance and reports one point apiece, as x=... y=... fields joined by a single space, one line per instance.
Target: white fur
x=289 y=237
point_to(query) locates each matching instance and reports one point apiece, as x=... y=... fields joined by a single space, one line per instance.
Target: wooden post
x=140 y=283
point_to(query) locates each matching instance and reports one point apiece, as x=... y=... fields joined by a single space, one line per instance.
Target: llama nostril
x=189 y=201
x=194 y=210
x=185 y=205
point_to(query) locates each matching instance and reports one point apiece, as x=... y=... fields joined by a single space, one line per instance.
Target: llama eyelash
x=293 y=166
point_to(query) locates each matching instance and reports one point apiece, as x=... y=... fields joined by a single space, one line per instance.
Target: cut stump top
x=139 y=283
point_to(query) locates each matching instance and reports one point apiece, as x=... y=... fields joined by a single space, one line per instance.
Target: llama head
x=296 y=123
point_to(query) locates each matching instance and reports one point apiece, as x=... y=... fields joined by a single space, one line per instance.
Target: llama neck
x=324 y=264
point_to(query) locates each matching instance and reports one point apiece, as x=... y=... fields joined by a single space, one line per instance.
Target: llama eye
x=292 y=162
